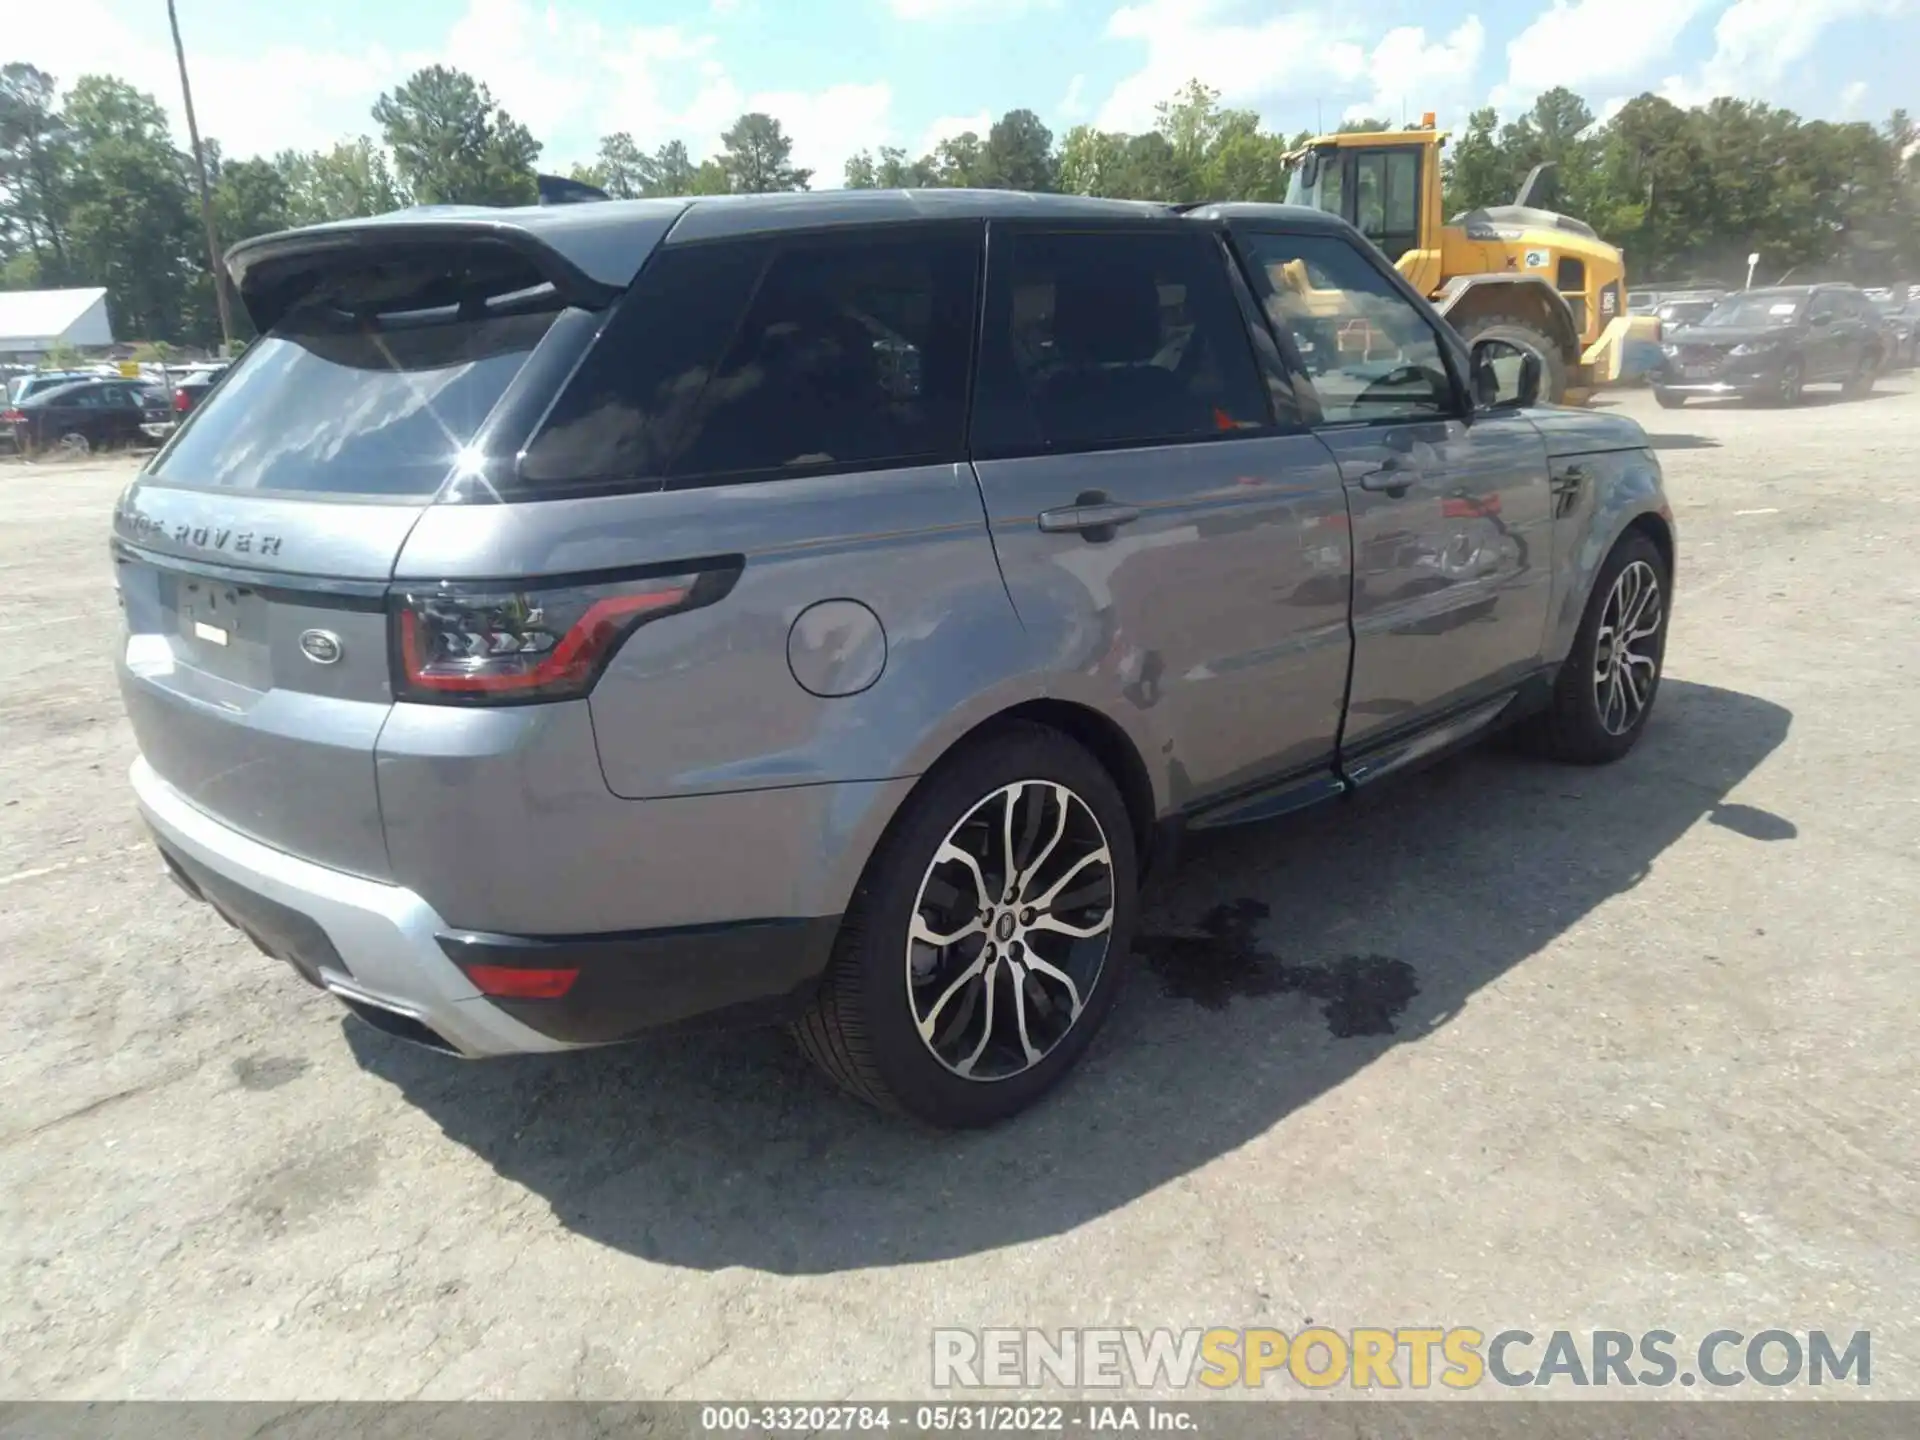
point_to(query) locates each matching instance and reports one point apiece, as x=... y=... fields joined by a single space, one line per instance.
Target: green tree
x=1020 y=153
x=1092 y=162
x=757 y=157
x=888 y=170
x=36 y=157
x=352 y=180
x=1477 y=170
x=452 y=144
x=960 y=162
x=710 y=177
x=132 y=224
x=251 y=198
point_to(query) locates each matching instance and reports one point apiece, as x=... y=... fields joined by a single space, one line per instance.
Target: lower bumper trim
x=685 y=977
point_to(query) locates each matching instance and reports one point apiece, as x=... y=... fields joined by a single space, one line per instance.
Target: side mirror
x=1820 y=319
x=1505 y=376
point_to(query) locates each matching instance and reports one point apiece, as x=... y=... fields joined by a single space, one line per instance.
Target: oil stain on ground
x=1364 y=994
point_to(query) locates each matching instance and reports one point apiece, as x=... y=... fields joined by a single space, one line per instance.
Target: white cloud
x=1588 y=42
x=243 y=98
x=555 y=68
x=1410 y=76
x=1073 y=104
x=1244 y=61
x=1757 y=42
x=948 y=126
x=1850 y=97
x=827 y=126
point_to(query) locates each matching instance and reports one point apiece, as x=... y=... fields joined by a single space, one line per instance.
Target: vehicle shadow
x=1279 y=961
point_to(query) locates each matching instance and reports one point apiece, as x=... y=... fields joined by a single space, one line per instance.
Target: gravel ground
x=1650 y=1061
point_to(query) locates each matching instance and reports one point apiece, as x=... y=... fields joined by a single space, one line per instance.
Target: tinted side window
x=1109 y=339
x=853 y=352
x=734 y=360
x=629 y=399
x=1370 y=353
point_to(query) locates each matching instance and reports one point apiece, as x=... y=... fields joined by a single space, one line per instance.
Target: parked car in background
x=821 y=608
x=191 y=389
x=83 y=416
x=1901 y=316
x=38 y=382
x=1690 y=311
x=1771 y=344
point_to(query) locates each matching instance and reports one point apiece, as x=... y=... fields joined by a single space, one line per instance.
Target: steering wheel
x=1390 y=388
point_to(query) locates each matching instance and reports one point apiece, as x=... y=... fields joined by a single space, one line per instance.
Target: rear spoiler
x=588 y=253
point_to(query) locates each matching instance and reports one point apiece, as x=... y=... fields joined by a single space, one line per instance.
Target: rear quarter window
x=754 y=360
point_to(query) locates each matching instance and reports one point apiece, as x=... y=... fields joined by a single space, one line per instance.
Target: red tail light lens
x=12 y=417
x=508 y=982
x=491 y=646
x=181 y=402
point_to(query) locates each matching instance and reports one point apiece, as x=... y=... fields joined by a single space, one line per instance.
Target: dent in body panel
x=1214 y=626
x=500 y=819
x=1597 y=496
x=1453 y=573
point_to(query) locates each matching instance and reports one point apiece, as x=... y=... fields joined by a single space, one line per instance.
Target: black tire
x=1572 y=728
x=1667 y=399
x=1496 y=325
x=1792 y=383
x=861 y=1028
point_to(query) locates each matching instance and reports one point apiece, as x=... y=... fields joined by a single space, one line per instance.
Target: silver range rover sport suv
x=568 y=622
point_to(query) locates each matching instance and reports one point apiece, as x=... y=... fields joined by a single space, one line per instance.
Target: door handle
x=1085 y=518
x=1393 y=478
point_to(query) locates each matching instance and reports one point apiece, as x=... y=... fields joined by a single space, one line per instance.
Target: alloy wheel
x=1626 y=654
x=75 y=445
x=1010 y=930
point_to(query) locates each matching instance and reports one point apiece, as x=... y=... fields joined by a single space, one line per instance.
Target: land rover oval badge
x=320 y=646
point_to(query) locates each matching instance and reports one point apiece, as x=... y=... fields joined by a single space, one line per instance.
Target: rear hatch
x=254 y=552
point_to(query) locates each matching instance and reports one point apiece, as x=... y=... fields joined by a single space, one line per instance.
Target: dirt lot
x=1650 y=1062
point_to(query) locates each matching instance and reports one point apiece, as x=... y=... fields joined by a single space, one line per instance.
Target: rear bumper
x=393 y=960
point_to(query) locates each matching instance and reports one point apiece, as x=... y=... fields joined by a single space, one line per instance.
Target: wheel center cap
x=1004 y=927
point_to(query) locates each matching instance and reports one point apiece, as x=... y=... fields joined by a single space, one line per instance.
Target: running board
x=1425 y=744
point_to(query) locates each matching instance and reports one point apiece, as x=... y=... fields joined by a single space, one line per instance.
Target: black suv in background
x=1771 y=344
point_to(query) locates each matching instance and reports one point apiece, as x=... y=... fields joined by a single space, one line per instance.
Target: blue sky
x=847 y=74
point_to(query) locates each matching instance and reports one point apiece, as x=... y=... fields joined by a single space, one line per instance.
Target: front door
x=1451 y=512
x=1170 y=545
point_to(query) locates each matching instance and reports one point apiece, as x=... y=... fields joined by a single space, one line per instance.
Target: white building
x=32 y=322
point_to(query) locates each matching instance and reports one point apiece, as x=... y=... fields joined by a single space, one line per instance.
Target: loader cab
x=1376 y=188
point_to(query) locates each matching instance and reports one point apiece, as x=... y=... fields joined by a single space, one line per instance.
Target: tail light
x=12 y=417
x=181 y=402
x=487 y=645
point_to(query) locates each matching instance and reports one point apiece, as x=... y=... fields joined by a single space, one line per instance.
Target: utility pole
x=206 y=200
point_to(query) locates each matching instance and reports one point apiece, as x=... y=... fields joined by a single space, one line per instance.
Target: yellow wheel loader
x=1519 y=271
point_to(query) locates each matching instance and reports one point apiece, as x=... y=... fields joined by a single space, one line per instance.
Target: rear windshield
x=359 y=391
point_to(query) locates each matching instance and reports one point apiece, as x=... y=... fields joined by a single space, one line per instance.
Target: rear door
x=253 y=553
x=1451 y=514
x=1831 y=347
x=1169 y=540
